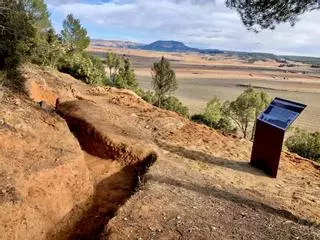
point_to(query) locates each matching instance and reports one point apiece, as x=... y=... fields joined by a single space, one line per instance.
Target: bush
x=305 y=144
x=170 y=103
x=224 y=124
x=84 y=67
x=48 y=50
x=199 y=118
x=173 y=104
x=214 y=116
x=213 y=112
x=148 y=96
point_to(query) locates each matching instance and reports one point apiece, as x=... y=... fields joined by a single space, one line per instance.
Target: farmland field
x=202 y=77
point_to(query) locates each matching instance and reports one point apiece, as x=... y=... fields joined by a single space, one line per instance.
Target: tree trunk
x=245 y=132
x=253 y=131
x=110 y=75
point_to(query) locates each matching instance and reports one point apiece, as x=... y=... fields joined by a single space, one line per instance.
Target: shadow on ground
x=240 y=166
x=110 y=194
x=234 y=197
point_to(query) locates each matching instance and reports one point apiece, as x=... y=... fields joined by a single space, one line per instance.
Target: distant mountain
x=175 y=46
x=161 y=46
x=168 y=46
x=115 y=43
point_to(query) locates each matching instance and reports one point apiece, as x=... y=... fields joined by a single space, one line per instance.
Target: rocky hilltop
x=81 y=162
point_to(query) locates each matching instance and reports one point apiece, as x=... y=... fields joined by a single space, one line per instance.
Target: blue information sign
x=281 y=113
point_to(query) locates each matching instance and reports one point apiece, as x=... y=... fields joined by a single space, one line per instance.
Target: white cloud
x=201 y=23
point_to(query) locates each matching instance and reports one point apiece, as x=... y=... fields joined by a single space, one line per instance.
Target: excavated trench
x=121 y=176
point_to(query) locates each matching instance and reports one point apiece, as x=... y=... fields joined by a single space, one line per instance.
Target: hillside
x=115 y=43
x=168 y=46
x=161 y=46
x=175 y=46
x=104 y=164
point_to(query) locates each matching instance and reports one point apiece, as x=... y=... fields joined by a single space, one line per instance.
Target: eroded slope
x=202 y=185
x=43 y=175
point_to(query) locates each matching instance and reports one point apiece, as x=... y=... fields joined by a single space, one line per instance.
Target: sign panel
x=281 y=113
x=269 y=134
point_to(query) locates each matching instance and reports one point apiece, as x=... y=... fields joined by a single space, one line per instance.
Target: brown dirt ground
x=206 y=160
x=43 y=175
x=200 y=187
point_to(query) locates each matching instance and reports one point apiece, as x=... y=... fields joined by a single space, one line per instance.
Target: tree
x=244 y=110
x=74 y=36
x=212 y=112
x=262 y=101
x=49 y=50
x=17 y=33
x=126 y=77
x=39 y=13
x=163 y=79
x=114 y=63
x=262 y=14
x=25 y=25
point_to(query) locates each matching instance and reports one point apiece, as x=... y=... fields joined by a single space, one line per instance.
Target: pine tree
x=74 y=36
x=263 y=14
x=114 y=63
x=126 y=77
x=163 y=79
x=18 y=33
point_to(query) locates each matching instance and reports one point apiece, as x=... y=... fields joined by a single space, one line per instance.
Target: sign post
x=269 y=135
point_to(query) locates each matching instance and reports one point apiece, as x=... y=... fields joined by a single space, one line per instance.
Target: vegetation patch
x=305 y=144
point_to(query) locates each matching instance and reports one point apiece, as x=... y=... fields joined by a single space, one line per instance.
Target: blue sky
x=197 y=23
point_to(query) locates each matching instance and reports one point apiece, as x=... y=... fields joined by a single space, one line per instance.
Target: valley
x=201 y=77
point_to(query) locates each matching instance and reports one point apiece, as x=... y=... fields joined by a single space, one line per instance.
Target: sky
x=197 y=23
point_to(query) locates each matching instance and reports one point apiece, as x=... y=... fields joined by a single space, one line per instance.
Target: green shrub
x=148 y=96
x=126 y=77
x=224 y=124
x=173 y=104
x=214 y=116
x=48 y=50
x=169 y=103
x=213 y=112
x=84 y=67
x=305 y=144
x=199 y=118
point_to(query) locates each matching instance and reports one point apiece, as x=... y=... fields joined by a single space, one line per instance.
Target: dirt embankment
x=201 y=186
x=116 y=162
x=43 y=175
x=61 y=179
